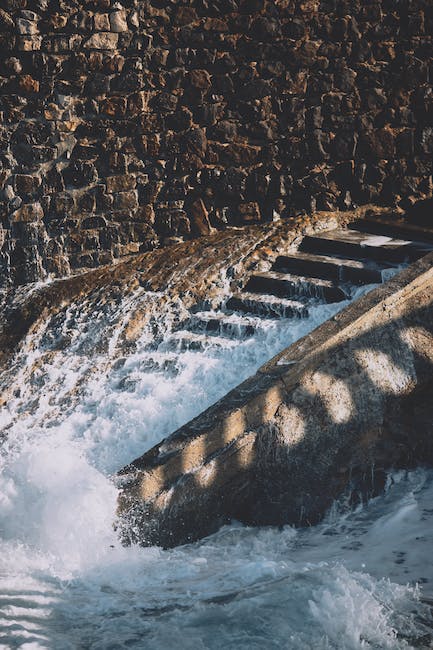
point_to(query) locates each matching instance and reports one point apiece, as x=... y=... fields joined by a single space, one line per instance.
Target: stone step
x=330 y=268
x=286 y=285
x=267 y=306
x=395 y=228
x=329 y=390
x=184 y=340
x=233 y=325
x=359 y=245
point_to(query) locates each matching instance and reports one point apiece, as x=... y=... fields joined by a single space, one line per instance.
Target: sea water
x=80 y=407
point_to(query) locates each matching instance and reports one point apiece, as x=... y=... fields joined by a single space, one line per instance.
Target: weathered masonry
x=129 y=124
x=330 y=413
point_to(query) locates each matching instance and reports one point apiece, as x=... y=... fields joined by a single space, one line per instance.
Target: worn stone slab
x=285 y=285
x=331 y=268
x=396 y=227
x=363 y=244
x=330 y=413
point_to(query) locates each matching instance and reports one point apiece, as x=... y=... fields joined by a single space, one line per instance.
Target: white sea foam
x=65 y=582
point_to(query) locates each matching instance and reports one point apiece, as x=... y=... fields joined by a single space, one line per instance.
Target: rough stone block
x=62 y=205
x=172 y=222
x=138 y=103
x=85 y=152
x=145 y=213
x=405 y=143
x=378 y=144
x=80 y=173
x=143 y=232
x=28 y=233
x=6 y=20
x=101 y=22
x=97 y=84
x=344 y=145
x=141 y=42
x=27 y=84
x=117 y=163
x=102 y=41
x=235 y=154
x=118 y=21
x=114 y=106
x=93 y=223
x=86 y=201
x=251 y=6
x=195 y=142
x=52 y=112
x=165 y=102
x=121 y=182
x=185 y=15
x=200 y=79
x=58 y=20
x=126 y=200
x=25 y=184
x=249 y=212
x=26 y=27
x=29 y=43
x=28 y=212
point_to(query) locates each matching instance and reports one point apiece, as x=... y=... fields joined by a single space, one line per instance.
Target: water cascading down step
x=265 y=453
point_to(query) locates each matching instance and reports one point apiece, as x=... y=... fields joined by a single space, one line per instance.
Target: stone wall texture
x=127 y=125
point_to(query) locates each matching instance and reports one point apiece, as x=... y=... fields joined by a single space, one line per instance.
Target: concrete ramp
x=330 y=413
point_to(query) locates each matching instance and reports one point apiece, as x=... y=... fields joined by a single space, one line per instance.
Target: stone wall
x=126 y=125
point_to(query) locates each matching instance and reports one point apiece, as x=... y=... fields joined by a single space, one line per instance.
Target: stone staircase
x=280 y=446
x=328 y=415
x=325 y=269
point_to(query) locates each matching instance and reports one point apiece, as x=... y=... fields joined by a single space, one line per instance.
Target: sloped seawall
x=332 y=412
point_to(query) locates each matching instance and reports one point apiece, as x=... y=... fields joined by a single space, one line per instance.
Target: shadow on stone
x=331 y=413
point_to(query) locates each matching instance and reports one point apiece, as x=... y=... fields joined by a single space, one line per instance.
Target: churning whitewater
x=81 y=405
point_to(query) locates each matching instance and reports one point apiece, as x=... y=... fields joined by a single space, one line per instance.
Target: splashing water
x=81 y=406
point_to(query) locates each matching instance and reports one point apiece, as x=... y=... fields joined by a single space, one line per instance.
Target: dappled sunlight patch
x=192 y=454
x=205 y=476
x=152 y=482
x=383 y=371
x=334 y=393
x=233 y=426
x=245 y=453
x=418 y=339
x=293 y=423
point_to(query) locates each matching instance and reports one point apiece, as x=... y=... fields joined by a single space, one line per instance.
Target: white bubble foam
x=78 y=414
